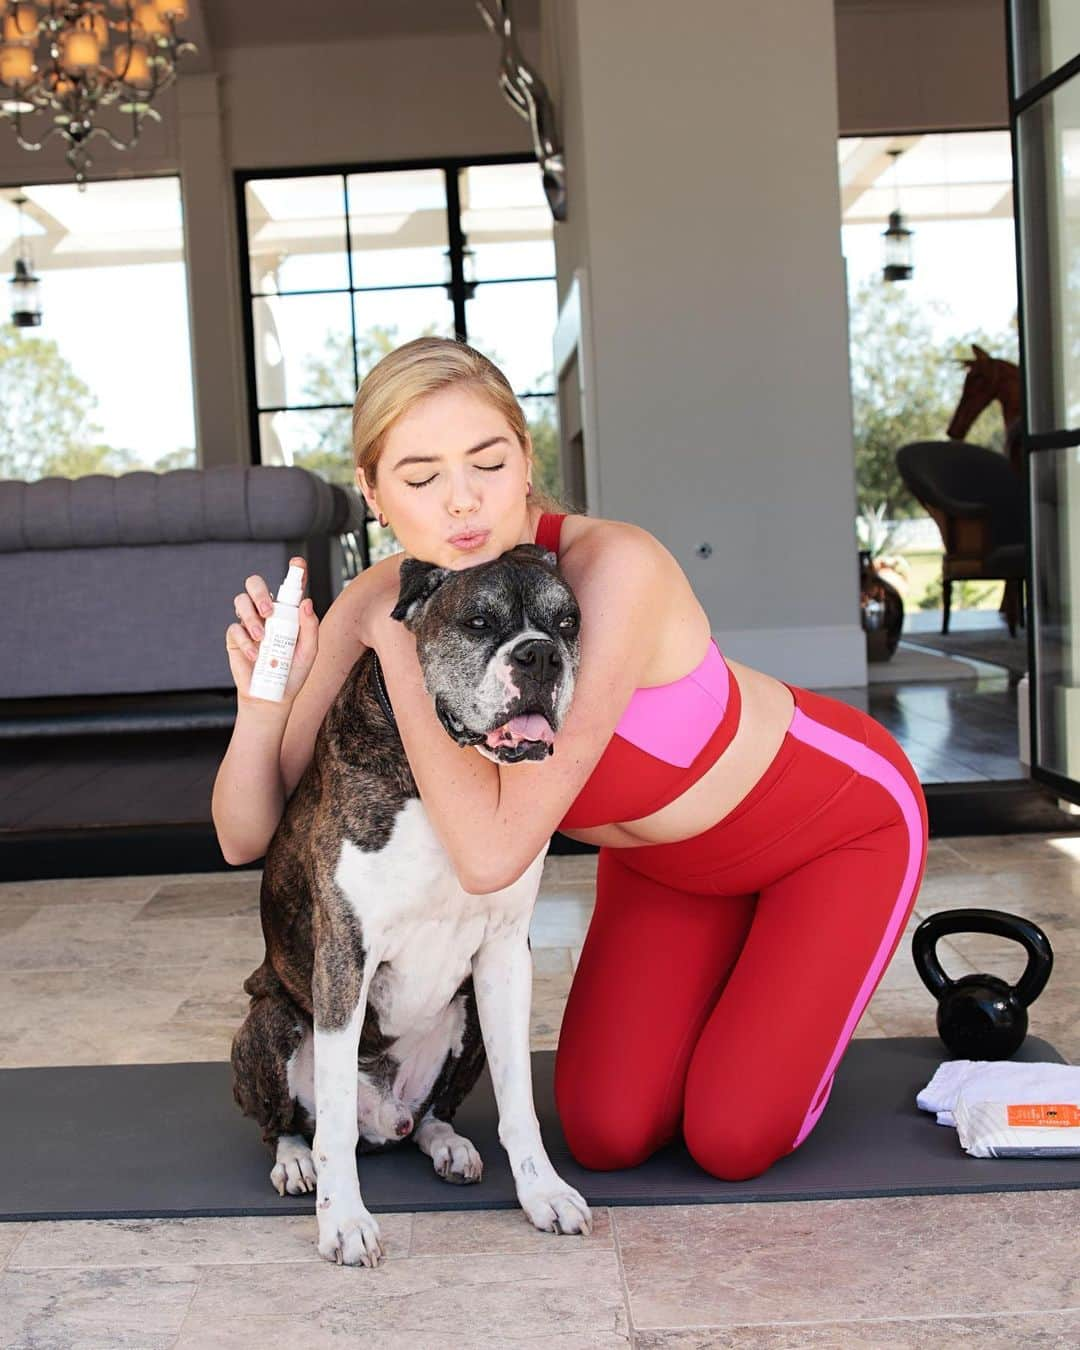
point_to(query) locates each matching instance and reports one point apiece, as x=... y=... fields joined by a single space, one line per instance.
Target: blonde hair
x=421 y=367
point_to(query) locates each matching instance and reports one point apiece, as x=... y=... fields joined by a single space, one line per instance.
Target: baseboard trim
x=1013 y=806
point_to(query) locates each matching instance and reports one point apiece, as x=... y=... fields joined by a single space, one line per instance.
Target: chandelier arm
x=33 y=145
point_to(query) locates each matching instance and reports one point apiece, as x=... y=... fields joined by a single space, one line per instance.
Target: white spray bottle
x=274 y=661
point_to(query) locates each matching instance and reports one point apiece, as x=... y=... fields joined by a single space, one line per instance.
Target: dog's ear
x=540 y=553
x=418 y=582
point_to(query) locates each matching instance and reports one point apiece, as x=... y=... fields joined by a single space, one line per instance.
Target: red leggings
x=722 y=976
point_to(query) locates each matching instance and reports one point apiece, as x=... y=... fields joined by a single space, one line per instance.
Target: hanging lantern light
x=24 y=288
x=898 y=253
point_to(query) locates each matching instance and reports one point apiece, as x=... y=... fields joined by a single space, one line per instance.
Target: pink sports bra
x=666 y=739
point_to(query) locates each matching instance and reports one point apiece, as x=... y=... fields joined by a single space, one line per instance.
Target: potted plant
x=883 y=578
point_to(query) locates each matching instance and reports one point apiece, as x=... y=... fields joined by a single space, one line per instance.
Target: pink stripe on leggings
x=871 y=765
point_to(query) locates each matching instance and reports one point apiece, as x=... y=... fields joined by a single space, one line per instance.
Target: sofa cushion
x=184 y=506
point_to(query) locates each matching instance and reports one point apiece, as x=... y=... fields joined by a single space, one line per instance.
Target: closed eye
x=484 y=468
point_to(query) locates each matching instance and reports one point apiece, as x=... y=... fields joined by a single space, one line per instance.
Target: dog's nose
x=538 y=658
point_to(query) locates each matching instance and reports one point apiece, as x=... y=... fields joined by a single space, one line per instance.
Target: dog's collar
x=380 y=691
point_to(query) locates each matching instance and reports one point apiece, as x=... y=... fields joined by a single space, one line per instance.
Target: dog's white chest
x=419 y=925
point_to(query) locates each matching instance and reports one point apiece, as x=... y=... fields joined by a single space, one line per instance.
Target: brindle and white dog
x=384 y=980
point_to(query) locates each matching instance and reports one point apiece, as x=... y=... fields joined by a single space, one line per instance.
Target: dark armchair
x=977 y=499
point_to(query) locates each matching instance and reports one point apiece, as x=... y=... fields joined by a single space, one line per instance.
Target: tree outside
x=905 y=386
x=48 y=428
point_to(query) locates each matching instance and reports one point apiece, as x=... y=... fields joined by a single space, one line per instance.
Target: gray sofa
x=123 y=587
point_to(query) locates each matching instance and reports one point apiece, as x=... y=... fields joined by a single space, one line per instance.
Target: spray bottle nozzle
x=292 y=588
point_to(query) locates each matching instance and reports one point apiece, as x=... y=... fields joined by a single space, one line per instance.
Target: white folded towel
x=986 y=1101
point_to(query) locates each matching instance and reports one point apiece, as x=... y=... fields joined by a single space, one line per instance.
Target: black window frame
x=457 y=286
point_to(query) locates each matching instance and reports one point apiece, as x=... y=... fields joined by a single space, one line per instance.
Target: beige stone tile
x=96 y=1309
x=551 y=960
x=81 y=1017
x=14 y=917
x=570 y=868
x=464 y=1232
x=962 y=890
x=1061 y=1330
x=216 y=896
x=560 y=921
x=567 y=1287
x=991 y=851
x=129 y=1243
x=11 y=1234
x=81 y=890
x=103 y=934
x=905 y=1012
x=868 y=1027
x=175 y=1043
x=277 y=1333
x=548 y=1005
x=904 y=1257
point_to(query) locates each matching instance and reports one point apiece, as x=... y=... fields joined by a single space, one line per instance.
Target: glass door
x=1044 y=80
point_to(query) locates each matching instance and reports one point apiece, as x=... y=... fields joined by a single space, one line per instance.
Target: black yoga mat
x=166 y=1140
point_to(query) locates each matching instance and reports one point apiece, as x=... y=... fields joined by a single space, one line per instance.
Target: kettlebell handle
x=995 y=921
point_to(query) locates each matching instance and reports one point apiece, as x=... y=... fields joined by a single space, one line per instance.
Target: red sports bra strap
x=548 y=530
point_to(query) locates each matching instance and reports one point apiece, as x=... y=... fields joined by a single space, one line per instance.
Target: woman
x=760 y=846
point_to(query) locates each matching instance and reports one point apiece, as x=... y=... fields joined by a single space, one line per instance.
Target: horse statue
x=989 y=378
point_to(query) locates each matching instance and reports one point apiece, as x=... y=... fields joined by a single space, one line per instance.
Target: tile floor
x=161 y=960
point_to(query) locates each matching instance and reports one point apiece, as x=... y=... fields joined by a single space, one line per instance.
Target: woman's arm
x=248 y=797
x=272 y=743
x=494 y=819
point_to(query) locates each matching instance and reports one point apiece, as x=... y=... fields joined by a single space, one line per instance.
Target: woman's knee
x=736 y=1149
x=600 y=1132
x=742 y=1142
x=603 y=1142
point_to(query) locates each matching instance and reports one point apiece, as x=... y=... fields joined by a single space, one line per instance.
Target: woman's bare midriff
x=767 y=706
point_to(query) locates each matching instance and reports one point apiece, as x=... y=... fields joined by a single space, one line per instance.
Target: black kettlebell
x=982 y=1016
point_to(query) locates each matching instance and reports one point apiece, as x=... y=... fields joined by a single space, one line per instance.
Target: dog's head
x=498 y=645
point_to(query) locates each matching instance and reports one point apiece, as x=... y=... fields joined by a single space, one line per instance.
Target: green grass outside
x=924 y=586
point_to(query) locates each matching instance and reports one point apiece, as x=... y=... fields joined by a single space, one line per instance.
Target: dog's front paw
x=349 y=1238
x=555 y=1207
x=295 y=1171
x=455 y=1159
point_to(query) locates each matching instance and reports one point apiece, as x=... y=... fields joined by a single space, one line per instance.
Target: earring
x=382 y=520
x=528 y=488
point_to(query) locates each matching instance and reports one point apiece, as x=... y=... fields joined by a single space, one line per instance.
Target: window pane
x=1048 y=140
x=543 y=419
x=386 y=319
x=1046 y=34
x=397 y=227
x=320 y=441
x=1055 y=488
x=302 y=347
x=506 y=221
x=513 y=325
x=296 y=234
x=103 y=384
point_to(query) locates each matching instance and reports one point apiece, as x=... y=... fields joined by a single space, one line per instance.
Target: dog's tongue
x=530 y=727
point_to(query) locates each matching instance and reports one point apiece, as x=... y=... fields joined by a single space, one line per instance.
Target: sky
x=124 y=331
x=970 y=265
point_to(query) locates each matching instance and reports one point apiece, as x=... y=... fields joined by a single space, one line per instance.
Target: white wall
x=711 y=239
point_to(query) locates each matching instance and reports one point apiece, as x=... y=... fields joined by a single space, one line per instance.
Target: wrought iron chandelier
x=72 y=58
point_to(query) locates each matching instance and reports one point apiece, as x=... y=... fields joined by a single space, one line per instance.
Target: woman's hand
x=242 y=638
